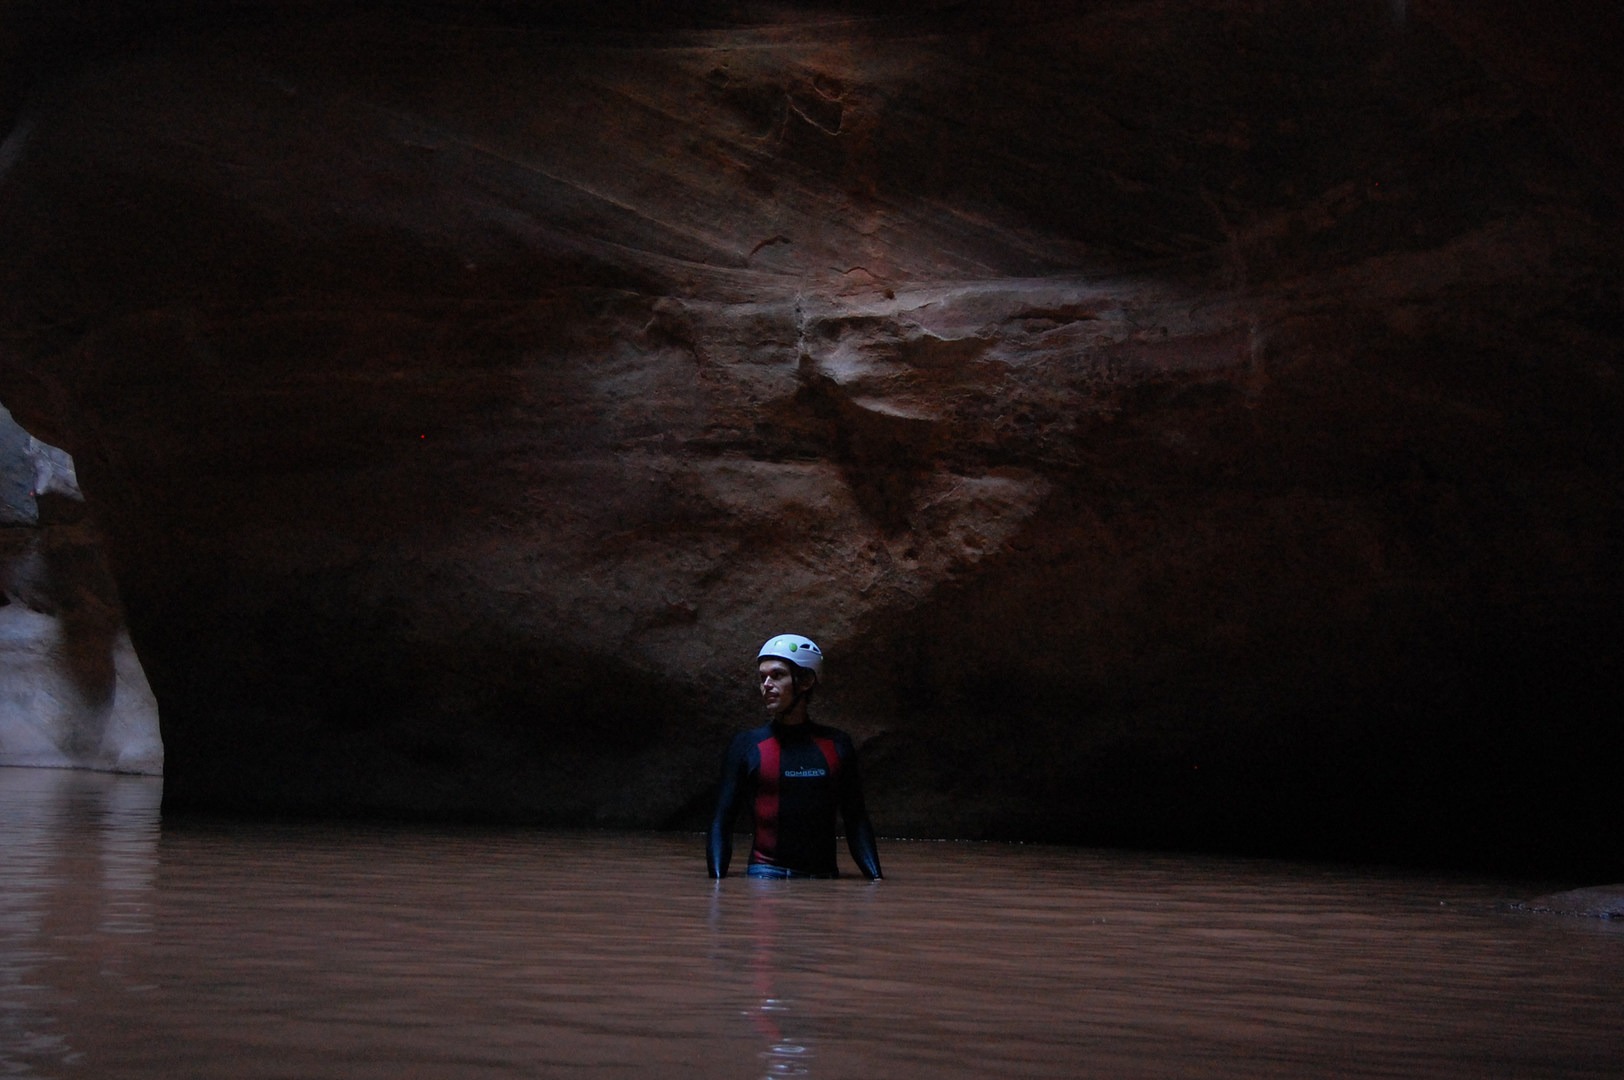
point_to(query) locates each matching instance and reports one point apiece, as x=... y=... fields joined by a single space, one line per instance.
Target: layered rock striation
x=1181 y=423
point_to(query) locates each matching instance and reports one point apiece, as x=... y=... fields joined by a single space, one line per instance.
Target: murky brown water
x=320 y=951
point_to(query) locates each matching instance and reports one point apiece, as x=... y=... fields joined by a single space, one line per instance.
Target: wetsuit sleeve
x=719 y=843
x=859 y=831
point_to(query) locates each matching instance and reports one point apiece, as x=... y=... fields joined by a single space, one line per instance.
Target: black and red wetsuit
x=794 y=777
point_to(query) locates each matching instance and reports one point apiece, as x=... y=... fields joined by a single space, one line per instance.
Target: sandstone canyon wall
x=1181 y=423
x=72 y=692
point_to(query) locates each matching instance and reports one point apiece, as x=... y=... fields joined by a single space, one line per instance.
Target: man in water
x=794 y=774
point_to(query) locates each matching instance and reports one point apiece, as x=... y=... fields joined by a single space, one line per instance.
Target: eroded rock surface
x=72 y=692
x=1180 y=423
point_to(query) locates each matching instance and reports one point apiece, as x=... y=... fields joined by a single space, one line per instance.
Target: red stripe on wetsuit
x=768 y=777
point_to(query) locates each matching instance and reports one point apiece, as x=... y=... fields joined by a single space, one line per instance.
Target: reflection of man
x=795 y=775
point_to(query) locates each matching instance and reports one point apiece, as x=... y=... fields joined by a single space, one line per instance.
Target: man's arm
x=854 y=812
x=719 y=843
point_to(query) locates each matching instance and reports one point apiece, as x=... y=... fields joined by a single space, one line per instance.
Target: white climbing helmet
x=798 y=650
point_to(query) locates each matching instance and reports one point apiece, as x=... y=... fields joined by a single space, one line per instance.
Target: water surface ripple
x=246 y=951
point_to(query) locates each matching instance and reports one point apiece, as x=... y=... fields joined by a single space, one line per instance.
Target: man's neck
x=795 y=717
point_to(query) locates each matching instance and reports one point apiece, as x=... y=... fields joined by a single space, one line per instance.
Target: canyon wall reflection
x=78 y=857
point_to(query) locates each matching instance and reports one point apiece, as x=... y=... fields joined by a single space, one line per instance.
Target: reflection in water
x=230 y=950
x=788 y=1052
x=77 y=851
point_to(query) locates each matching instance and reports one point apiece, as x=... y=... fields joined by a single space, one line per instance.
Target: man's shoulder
x=753 y=736
x=833 y=734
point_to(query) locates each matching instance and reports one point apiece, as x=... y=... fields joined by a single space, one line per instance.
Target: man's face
x=777 y=686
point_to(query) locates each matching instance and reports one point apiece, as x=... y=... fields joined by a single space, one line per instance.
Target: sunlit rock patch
x=72 y=692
